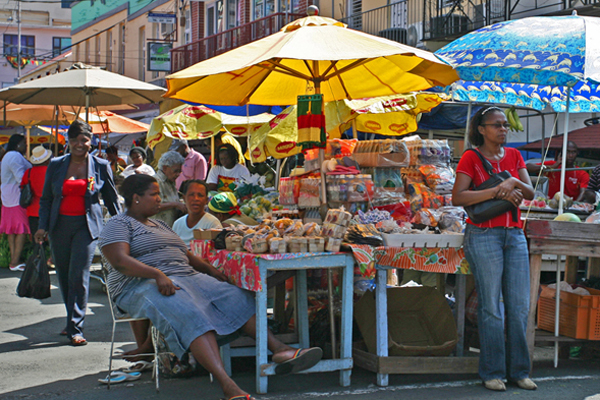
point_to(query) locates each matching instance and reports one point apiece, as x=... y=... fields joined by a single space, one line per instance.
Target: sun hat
x=39 y=155
x=224 y=203
x=139 y=150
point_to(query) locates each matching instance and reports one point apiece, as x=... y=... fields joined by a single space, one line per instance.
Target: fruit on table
x=569 y=217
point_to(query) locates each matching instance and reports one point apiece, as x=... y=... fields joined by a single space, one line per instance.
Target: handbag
x=35 y=281
x=486 y=210
x=26 y=193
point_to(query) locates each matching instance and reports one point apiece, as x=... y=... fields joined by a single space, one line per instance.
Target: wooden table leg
x=459 y=296
x=261 y=333
x=382 y=321
x=346 y=328
x=535 y=266
x=571 y=267
x=593 y=270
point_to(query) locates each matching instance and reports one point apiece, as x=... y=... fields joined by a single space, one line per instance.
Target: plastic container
x=579 y=315
x=343 y=188
x=357 y=189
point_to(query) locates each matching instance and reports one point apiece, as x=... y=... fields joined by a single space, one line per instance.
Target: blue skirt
x=202 y=304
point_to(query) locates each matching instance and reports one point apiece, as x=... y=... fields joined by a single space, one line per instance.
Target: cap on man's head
x=177 y=143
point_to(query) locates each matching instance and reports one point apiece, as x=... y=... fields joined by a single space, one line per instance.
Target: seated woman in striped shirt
x=153 y=275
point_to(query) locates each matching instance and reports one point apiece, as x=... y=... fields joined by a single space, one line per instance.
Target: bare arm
x=119 y=257
x=201 y=265
x=174 y=204
x=463 y=196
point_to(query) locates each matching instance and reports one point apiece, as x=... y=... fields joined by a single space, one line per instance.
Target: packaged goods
x=316 y=244
x=289 y=190
x=426 y=216
x=309 y=195
x=295 y=229
x=382 y=153
x=429 y=151
x=233 y=243
x=282 y=224
x=333 y=244
x=278 y=246
x=312 y=229
x=338 y=217
x=364 y=234
x=420 y=196
x=336 y=148
x=440 y=179
x=452 y=219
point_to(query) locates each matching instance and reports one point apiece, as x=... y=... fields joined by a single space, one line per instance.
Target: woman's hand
x=39 y=236
x=504 y=189
x=218 y=275
x=166 y=287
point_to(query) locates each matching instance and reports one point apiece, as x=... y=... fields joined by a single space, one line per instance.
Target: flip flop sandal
x=78 y=340
x=303 y=359
x=139 y=366
x=120 y=376
x=240 y=397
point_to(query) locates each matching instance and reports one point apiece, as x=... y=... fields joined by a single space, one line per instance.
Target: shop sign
x=162 y=18
x=159 y=56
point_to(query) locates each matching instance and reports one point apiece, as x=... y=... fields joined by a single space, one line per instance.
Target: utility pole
x=18 y=40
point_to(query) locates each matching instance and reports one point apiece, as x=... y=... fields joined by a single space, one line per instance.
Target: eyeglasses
x=498 y=125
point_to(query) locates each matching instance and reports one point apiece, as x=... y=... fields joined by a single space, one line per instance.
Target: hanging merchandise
x=311 y=122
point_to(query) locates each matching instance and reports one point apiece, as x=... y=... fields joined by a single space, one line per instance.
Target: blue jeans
x=499 y=260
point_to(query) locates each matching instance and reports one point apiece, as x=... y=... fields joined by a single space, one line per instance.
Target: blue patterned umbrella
x=554 y=51
x=585 y=97
x=549 y=52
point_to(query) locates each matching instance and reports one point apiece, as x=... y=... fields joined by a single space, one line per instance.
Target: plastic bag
x=35 y=281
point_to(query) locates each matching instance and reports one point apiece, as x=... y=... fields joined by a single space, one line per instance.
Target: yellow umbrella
x=310 y=55
x=389 y=115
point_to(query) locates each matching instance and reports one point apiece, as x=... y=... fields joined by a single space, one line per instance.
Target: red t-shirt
x=471 y=165
x=574 y=181
x=38 y=176
x=73 y=201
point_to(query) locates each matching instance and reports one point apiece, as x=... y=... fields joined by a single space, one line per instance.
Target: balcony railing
x=399 y=21
x=210 y=46
x=448 y=19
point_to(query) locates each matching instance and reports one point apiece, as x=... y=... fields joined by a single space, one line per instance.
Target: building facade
x=44 y=31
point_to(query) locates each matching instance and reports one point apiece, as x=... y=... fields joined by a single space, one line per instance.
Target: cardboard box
x=206 y=235
x=420 y=322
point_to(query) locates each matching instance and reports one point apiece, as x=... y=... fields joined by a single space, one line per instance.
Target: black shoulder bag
x=489 y=209
x=26 y=193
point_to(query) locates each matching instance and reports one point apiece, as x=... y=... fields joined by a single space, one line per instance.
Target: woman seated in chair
x=153 y=275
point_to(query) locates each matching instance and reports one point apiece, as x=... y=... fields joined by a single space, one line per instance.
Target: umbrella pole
x=563 y=161
x=212 y=151
x=87 y=108
x=28 y=130
x=56 y=132
x=354 y=133
x=467 y=126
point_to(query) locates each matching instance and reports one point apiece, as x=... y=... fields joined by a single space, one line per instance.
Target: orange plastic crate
x=579 y=315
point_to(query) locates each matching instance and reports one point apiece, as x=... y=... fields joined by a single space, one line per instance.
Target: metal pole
x=564 y=154
x=467 y=126
x=18 y=40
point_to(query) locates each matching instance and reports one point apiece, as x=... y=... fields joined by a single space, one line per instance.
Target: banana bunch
x=513 y=120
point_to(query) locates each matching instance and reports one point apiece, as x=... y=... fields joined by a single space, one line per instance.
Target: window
x=187 y=37
x=66 y=3
x=97 y=51
x=142 y=47
x=60 y=45
x=11 y=45
x=109 y=50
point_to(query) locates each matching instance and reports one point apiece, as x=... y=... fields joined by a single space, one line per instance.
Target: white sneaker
x=527 y=384
x=20 y=267
x=495 y=384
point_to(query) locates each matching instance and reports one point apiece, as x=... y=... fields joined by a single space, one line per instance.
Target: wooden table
x=422 y=259
x=560 y=238
x=249 y=271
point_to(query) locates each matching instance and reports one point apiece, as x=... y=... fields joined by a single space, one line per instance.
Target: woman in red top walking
x=71 y=215
x=497 y=253
x=35 y=176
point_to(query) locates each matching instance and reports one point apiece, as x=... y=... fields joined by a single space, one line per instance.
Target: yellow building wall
x=128 y=58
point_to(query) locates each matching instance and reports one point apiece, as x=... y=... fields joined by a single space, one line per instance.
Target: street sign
x=159 y=56
x=162 y=18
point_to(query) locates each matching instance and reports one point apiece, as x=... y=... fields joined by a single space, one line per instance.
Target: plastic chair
x=118 y=316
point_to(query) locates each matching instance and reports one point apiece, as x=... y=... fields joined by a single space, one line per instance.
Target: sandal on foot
x=139 y=366
x=15 y=268
x=119 y=377
x=240 y=397
x=78 y=340
x=303 y=359
x=64 y=333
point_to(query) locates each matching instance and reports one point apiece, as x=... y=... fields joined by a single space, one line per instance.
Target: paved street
x=37 y=363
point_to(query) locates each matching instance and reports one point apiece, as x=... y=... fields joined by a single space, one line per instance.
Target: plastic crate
x=579 y=315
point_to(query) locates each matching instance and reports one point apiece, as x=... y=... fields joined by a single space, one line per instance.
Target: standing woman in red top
x=71 y=215
x=35 y=176
x=497 y=253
